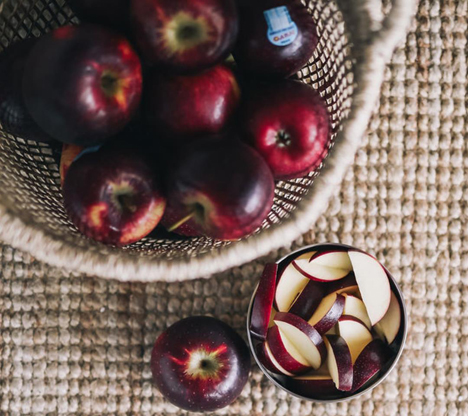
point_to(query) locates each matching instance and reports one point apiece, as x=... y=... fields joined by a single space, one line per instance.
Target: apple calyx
x=283 y=138
x=184 y=32
x=203 y=364
x=124 y=198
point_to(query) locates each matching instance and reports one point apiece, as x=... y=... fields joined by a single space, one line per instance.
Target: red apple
x=308 y=300
x=200 y=364
x=222 y=188
x=14 y=116
x=112 y=13
x=286 y=353
x=69 y=153
x=82 y=84
x=373 y=284
x=263 y=302
x=276 y=38
x=371 y=360
x=339 y=362
x=185 y=36
x=327 y=313
x=303 y=336
x=288 y=124
x=192 y=104
x=112 y=195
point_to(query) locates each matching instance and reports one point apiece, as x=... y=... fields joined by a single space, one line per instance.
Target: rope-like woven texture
x=31 y=211
x=72 y=345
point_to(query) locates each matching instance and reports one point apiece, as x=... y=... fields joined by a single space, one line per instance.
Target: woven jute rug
x=79 y=345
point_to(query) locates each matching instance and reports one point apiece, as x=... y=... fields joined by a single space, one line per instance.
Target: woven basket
x=357 y=40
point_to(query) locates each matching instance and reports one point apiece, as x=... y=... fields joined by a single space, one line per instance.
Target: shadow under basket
x=32 y=216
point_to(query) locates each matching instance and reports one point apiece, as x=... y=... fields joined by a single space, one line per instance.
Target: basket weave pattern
x=30 y=197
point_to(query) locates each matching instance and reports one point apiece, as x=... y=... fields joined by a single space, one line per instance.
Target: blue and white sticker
x=282 y=31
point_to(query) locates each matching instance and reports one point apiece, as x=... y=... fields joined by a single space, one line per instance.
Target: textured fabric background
x=77 y=345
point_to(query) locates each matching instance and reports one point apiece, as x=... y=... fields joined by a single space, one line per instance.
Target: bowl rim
x=377 y=381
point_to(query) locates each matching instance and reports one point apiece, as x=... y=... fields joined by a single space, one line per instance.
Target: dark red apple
x=185 y=36
x=276 y=37
x=192 y=104
x=221 y=188
x=200 y=364
x=289 y=125
x=14 y=116
x=112 y=195
x=263 y=303
x=69 y=153
x=112 y=13
x=82 y=84
x=371 y=360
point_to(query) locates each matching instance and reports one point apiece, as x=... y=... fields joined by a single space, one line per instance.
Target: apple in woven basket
x=185 y=36
x=112 y=13
x=221 y=187
x=191 y=104
x=82 y=84
x=14 y=116
x=276 y=37
x=200 y=364
x=289 y=125
x=112 y=195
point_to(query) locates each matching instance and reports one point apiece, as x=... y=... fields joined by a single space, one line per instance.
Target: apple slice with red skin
x=313 y=385
x=266 y=358
x=286 y=353
x=308 y=300
x=371 y=360
x=305 y=337
x=373 y=284
x=333 y=258
x=339 y=362
x=355 y=333
x=327 y=313
x=263 y=303
x=355 y=307
x=319 y=272
x=290 y=284
x=346 y=285
x=390 y=324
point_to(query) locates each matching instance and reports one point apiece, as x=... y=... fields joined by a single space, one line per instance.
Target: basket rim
x=376 y=53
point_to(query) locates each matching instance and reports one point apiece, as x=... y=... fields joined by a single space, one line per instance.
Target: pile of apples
x=328 y=322
x=158 y=126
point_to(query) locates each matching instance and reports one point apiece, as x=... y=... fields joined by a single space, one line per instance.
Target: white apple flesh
x=325 y=266
x=355 y=333
x=263 y=303
x=308 y=342
x=373 y=284
x=291 y=282
x=355 y=307
x=333 y=259
x=390 y=324
x=339 y=362
x=266 y=358
x=327 y=313
x=286 y=353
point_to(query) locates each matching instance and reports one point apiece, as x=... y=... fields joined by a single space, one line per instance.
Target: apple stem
x=181 y=222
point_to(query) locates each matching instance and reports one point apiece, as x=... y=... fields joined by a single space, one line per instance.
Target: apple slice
x=333 y=259
x=285 y=352
x=389 y=325
x=263 y=303
x=355 y=307
x=373 y=284
x=306 y=339
x=313 y=385
x=325 y=267
x=355 y=333
x=266 y=358
x=339 y=362
x=290 y=284
x=346 y=285
x=308 y=300
x=369 y=363
x=328 y=312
